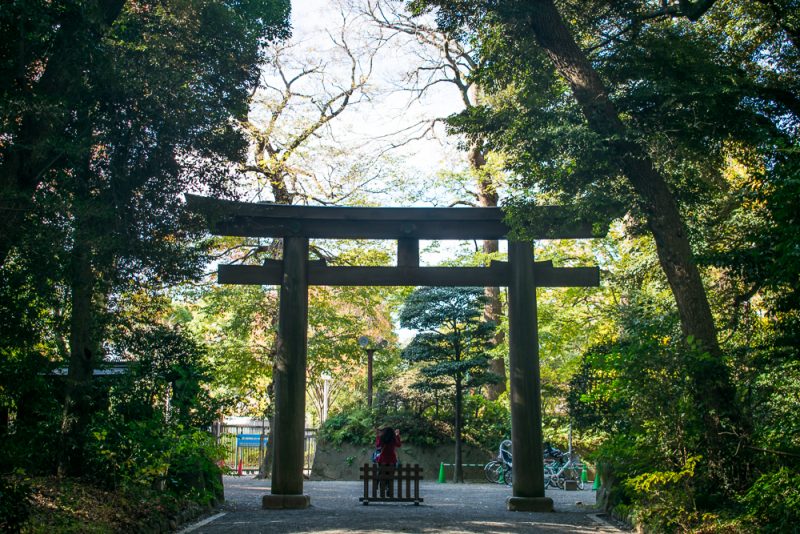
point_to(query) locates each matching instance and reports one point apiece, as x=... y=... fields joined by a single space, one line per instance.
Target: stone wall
x=342 y=462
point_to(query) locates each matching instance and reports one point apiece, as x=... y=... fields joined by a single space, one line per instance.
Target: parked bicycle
x=499 y=470
x=559 y=467
x=558 y=471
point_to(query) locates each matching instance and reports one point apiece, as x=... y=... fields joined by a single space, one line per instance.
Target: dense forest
x=672 y=125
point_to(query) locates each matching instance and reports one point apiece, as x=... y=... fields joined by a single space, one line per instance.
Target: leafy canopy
x=452 y=336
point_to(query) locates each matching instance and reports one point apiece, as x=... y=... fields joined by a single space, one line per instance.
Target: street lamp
x=365 y=343
x=326 y=391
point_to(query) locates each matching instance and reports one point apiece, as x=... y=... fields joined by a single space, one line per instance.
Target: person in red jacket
x=388 y=441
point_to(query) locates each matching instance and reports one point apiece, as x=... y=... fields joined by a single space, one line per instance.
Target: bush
x=774 y=501
x=135 y=443
x=152 y=453
x=664 y=501
x=15 y=503
x=193 y=471
x=358 y=426
x=487 y=423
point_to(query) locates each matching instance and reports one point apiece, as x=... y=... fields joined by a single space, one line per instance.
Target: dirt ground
x=335 y=508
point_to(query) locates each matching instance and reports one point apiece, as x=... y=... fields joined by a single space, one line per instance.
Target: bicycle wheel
x=550 y=475
x=493 y=471
x=507 y=476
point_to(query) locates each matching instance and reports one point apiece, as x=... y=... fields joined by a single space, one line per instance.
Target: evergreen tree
x=453 y=343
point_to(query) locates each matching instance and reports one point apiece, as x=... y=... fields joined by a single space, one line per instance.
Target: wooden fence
x=384 y=483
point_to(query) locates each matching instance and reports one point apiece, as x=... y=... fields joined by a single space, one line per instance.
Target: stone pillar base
x=529 y=504
x=285 y=502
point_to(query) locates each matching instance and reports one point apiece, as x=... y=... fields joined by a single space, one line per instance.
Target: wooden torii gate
x=294 y=273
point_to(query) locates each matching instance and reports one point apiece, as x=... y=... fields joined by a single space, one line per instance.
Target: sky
x=311 y=22
x=393 y=112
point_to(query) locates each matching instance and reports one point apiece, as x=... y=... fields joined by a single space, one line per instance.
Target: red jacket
x=388 y=455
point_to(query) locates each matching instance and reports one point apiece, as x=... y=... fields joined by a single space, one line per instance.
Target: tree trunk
x=265 y=469
x=4 y=420
x=82 y=359
x=714 y=393
x=493 y=310
x=458 y=471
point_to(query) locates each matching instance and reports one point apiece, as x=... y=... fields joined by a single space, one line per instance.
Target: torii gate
x=297 y=224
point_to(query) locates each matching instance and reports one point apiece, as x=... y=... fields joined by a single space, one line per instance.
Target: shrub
x=152 y=453
x=358 y=426
x=487 y=422
x=664 y=501
x=774 y=501
x=193 y=471
x=15 y=503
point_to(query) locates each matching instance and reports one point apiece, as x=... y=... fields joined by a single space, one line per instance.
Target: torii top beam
x=228 y=217
x=406 y=225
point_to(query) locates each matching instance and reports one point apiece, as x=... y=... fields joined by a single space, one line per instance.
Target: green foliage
x=15 y=503
x=153 y=453
x=489 y=422
x=150 y=434
x=110 y=112
x=613 y=391
x=169 y=368
x=773 y=501
x=239 y=324
x=193 y=470
x=452 y=343
x=452 y=337
x=663 y=501
x=358 y=426
x=417 y=429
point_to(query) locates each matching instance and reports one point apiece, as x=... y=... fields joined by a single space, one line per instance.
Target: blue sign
x=250 y=440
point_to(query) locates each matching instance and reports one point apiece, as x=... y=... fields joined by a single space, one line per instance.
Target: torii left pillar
x=290 y=381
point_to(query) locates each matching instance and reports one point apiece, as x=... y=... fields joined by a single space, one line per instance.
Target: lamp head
x=363 y=342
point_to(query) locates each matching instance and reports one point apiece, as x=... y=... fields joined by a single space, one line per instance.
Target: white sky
x=311 y=20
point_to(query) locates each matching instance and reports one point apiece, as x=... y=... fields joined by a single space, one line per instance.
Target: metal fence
x=246 y=445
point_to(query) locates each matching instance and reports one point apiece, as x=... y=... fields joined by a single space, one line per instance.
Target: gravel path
x=462 y=508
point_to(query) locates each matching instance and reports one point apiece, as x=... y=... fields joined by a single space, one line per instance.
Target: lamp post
x=326 y=391
x=365 y=343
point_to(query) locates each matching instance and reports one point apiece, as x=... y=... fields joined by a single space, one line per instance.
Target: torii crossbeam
x=294 y=273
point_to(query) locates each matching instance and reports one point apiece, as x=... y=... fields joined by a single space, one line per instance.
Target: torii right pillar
x=526 y=391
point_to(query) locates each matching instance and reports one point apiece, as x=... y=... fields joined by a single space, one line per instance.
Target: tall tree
x=441 y=58
x=106 y=145
x=453 y=341
x=301 y=91
x=535 y=59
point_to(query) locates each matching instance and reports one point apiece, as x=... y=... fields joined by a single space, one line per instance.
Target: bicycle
x=499 y=470
x=556 y=474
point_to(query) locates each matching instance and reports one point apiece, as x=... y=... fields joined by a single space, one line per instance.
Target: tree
x=444 y=59
x=101 y=151
x=453 y=341
x=549 y=93
x=57 y=57
x=301 y=90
